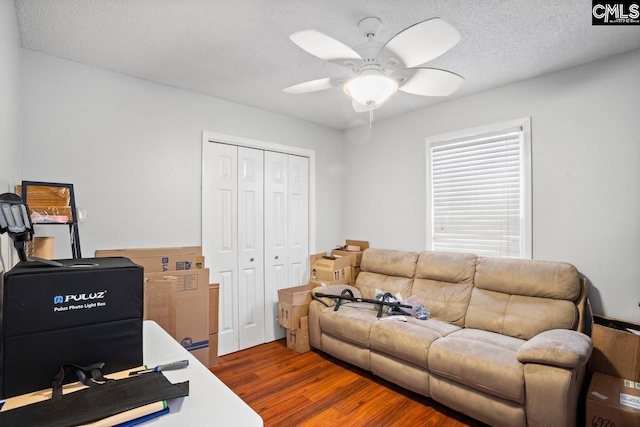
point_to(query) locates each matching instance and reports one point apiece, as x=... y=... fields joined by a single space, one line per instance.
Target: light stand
x=14 y=219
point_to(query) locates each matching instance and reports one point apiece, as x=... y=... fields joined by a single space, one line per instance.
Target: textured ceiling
x=239 y=50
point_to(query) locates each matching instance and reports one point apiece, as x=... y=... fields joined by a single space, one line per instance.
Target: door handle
x=251 y=260
x=276 y=256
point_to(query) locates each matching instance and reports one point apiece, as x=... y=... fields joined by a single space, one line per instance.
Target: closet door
x=251 y=247
x=275 y=238
x=220 y=226
x=298 y=220
x=255 y=220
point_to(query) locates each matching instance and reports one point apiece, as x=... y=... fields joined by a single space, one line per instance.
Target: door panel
x=251 y=249
x=298 y=221
x=219 y=224
x=275 y=233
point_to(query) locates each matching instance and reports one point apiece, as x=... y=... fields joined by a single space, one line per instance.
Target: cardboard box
x=192 y=309
x=616 y=351
x=214 y=301
x=290 y=316
x=160 y=302
x=354 y=275
x=293 y=304
x=354 y=249
x=298 y=339
x=158 y=264
x=326 y=268
x=213 y=350
x=202 y=354
x=44 y=195
x=345 y=280
x=297 y=295
x=612 y=401
x=149 y=252
x=160 y=259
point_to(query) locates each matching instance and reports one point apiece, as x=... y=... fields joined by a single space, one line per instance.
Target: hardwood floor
x=315 y=389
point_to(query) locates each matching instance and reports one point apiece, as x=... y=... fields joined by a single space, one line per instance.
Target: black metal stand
x=347 y=295
x=73 y=224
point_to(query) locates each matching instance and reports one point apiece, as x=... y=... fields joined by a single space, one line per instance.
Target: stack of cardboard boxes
x=342 y=267
x=613 y=398
x=354 y=250
x=177 y=296
x=293 y=314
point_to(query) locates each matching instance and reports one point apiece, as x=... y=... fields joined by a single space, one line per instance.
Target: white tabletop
x=210 y=402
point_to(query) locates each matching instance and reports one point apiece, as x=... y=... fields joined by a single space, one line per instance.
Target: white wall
x=586 y=172
x=10 y=95
x=132 y=149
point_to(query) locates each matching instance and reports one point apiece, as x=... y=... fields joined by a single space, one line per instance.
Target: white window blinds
x=477 y=194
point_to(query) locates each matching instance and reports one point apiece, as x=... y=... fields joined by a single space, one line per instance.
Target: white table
x=210 y=402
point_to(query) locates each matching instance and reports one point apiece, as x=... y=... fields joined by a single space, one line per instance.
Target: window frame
x=527 y=177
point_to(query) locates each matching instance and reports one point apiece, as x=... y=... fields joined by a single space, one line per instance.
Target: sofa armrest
x=558 y=347
x=333 y=290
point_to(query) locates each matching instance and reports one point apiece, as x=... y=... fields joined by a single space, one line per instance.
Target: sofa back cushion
x=522 y=298
x=387 y=270
x=443 y=283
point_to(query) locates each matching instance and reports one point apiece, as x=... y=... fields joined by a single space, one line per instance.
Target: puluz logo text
x=59 y=299
x=79 y=301
x=615 y=13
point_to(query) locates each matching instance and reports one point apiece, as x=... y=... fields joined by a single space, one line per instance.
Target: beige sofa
x=503 y=344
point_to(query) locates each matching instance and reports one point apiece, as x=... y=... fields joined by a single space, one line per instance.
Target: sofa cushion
x=542 y=279
x=481 y=360
x=522 y=298
x=389 y=262
x=438 y=326
x=352 y=322
x=403 y=340
x=368 y=282
x=518 y=316
x=443 y=283
x=387 y=270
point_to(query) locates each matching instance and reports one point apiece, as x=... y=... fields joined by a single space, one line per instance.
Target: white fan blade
x=310 y=86
x=361 y=108
x=325 y=47
x=432 y=82
x=422 y=42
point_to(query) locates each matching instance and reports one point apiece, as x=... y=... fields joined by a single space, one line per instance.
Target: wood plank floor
x=315 y=389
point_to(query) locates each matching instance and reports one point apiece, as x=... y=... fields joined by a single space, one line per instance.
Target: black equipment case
x=87 y=311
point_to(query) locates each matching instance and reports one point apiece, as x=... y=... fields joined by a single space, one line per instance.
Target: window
x=479 y=190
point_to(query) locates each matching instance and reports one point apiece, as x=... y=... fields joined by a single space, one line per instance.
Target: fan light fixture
x=382 y=69
x=371 y=88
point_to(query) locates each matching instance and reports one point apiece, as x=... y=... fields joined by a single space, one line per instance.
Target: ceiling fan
x=378 y=70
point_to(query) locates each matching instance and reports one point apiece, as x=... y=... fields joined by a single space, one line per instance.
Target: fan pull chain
x=370 y=116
